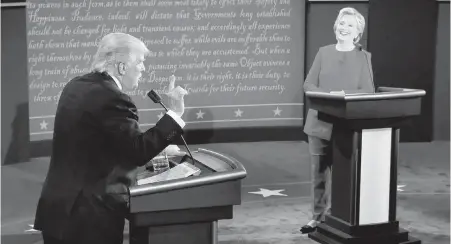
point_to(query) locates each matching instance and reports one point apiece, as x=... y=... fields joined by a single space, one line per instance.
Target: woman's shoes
x=310 y=227
x=307 y=229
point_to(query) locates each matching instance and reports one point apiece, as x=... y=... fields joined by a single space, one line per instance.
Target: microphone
x=157 y=99
x=359 y=46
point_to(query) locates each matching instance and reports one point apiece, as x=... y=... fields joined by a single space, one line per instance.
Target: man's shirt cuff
x=176 y=118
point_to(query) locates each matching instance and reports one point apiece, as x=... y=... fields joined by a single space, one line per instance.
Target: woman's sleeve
x=312 y=81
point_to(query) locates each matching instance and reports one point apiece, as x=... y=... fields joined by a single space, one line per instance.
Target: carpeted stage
x=423 y=197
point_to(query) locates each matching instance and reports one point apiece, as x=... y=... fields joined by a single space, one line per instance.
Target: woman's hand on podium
x=342 y=92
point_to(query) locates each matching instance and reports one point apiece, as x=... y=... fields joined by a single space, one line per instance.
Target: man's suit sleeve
x=119 y=122
x=176 y=118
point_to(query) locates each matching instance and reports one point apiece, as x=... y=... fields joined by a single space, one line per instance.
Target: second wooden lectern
x=364 y=176
x=187 y=210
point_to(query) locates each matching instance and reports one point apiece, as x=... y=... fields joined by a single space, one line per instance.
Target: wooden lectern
x=187 y=210
x=365 y=152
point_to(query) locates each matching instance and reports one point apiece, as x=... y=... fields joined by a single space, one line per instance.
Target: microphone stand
x=156 y=98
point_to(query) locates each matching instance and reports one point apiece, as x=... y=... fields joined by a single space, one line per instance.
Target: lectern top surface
x=383 y=93
x=215 y=168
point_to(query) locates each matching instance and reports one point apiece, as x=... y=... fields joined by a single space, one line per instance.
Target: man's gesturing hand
x=176 y=97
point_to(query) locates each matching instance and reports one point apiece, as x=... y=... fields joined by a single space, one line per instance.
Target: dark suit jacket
x=97 y=147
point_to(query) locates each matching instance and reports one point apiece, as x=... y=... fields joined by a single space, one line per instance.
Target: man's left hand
x=176 y=97
x=173 y=150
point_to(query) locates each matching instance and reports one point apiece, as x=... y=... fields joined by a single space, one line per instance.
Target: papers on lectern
x=182 y=170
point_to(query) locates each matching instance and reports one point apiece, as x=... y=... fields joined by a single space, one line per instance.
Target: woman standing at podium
x=339 y=68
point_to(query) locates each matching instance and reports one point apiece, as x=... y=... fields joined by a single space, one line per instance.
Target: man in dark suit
x=98 y=145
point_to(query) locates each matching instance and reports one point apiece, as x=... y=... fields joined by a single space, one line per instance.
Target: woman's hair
x=359 y=18
x=117 y=47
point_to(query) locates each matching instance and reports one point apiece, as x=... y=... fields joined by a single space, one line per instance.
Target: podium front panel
x=375 y=161
x=364 y=175
x=219 y=194
x=344 y=184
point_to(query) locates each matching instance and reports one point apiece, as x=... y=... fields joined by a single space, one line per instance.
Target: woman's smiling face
x=347 y=28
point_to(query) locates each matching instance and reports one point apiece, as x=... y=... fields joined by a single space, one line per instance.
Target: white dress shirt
x=172 y=114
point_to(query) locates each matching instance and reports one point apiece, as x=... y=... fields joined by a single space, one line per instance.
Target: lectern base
x=193 y=226
x=327 y=234
x=193 y=233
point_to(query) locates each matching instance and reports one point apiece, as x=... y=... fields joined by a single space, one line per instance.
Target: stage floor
x=280 y=167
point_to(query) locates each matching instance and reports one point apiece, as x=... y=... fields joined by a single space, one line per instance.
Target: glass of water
x=160 y=163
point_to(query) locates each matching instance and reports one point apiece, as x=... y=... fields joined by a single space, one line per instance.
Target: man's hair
x=359 y=18
x=117 y=47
